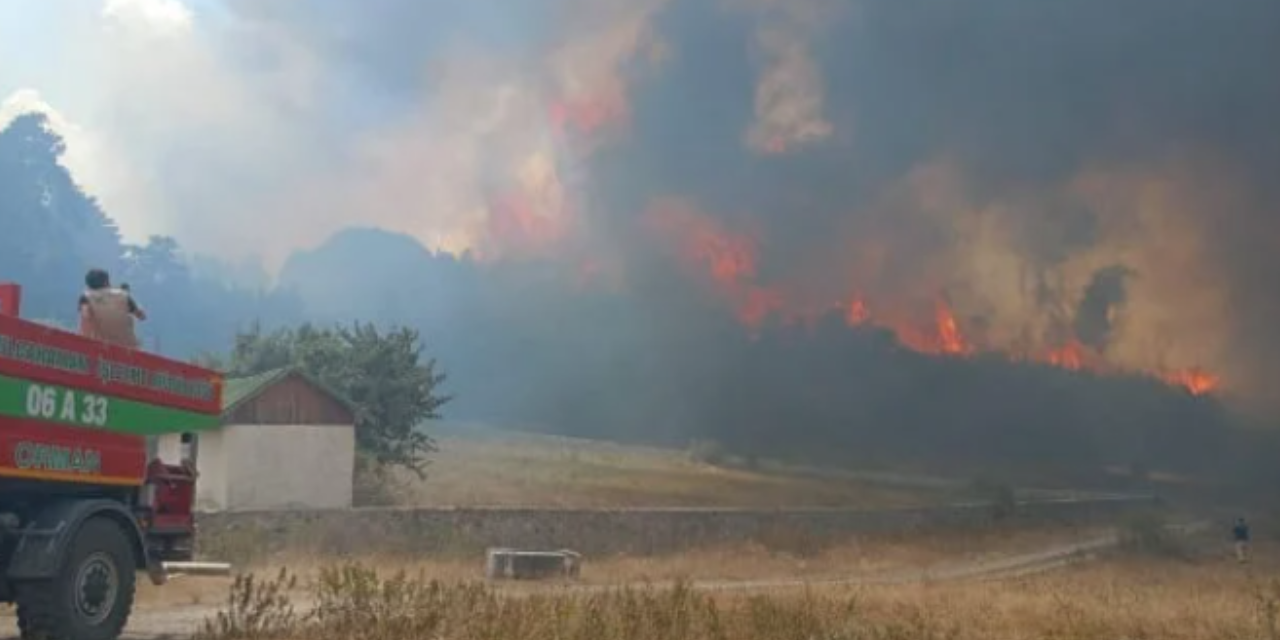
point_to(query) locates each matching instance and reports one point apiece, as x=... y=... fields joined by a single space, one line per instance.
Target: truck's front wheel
x=92 y=595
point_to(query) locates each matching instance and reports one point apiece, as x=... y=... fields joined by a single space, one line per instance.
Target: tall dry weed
x=355 y=602
x=255 y=610
x=1267 y=601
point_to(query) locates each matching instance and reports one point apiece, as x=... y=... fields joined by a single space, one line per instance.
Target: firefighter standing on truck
x=107 y=313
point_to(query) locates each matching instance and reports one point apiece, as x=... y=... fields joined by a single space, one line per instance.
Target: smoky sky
x=1019 y=91
x=386 y=46
x=1020 y=95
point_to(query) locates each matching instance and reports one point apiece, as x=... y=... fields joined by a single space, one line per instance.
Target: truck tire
x=92 y=595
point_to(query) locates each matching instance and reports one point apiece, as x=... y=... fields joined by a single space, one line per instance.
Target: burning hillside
x=727 y=263
x=1072 y=298
x=1086 y=186
x=968 y=204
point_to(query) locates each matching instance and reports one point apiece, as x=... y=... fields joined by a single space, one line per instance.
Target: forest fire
x=727 y=259
x=856 y=312
x=1196 y=381
x=949 y=338
x=535 y=211
x=514 y=222
x=1072 y=356
x=728 y=262
x=936 y=334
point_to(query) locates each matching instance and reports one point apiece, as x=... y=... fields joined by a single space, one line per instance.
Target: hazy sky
x=79 y=60
x=189 y=118
x=255 y=127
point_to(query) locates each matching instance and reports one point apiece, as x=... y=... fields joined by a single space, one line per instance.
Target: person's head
x=97 y=279
x=124 y=286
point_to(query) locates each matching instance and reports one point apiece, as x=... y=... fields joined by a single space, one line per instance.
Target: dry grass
x=493 y=468
x=761 y=560
x=1125 y=599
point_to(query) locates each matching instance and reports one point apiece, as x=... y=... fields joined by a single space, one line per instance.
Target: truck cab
x=83 y=507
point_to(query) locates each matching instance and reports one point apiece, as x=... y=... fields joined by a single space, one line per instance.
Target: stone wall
x=233 y=536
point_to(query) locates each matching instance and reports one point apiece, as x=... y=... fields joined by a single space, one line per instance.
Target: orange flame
x=536 y=210
x=1074 y=356
x=515 y=224
x=728 y=259
x=856 y=313
x=1196 y=381
x=940 y=335
x=951 y=340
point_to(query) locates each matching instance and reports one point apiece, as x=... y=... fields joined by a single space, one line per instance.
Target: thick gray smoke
x=1011 y=156
x=1004 y=156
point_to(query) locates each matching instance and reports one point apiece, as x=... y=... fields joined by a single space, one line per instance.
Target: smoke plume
x=1086 y=184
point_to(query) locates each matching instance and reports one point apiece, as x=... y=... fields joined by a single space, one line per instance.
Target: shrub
x=375 y=484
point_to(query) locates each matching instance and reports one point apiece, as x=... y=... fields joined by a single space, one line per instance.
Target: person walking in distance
x=107 y=313
x=1240 y=534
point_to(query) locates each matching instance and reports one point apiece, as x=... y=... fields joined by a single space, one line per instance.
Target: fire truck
x=84 y=507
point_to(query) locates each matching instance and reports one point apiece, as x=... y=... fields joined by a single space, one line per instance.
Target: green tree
x=394 y=389
x=52 y=231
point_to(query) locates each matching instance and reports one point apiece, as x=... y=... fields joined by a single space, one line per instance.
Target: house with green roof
x=286 y=441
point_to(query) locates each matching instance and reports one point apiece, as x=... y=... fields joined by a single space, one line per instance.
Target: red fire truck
x=82 y=507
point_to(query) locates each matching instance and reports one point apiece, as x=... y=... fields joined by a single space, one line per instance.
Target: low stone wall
x=235 y=536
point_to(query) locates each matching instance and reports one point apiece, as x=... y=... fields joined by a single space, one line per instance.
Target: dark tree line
x=54 y=232
x=660 y=362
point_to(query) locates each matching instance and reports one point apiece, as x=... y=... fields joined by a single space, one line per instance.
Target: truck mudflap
x=42 y=544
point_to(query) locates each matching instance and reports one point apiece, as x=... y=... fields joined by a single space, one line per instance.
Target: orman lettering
x=50 y=457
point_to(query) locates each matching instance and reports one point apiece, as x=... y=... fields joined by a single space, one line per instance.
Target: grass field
x=760 y=560
x=479 y=467
x=1128 y=597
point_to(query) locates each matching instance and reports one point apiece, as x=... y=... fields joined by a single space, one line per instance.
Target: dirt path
x=181 y=622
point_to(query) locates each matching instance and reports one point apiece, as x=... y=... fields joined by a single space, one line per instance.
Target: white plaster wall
x=211 y=464
x=168 y=447
x=286 y=466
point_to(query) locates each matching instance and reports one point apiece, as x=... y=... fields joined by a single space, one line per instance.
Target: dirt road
x=174 y=623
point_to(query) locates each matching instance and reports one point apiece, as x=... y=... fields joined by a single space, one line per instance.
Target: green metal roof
x=237 y=391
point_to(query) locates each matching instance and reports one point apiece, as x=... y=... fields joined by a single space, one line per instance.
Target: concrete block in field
x=512 y=564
